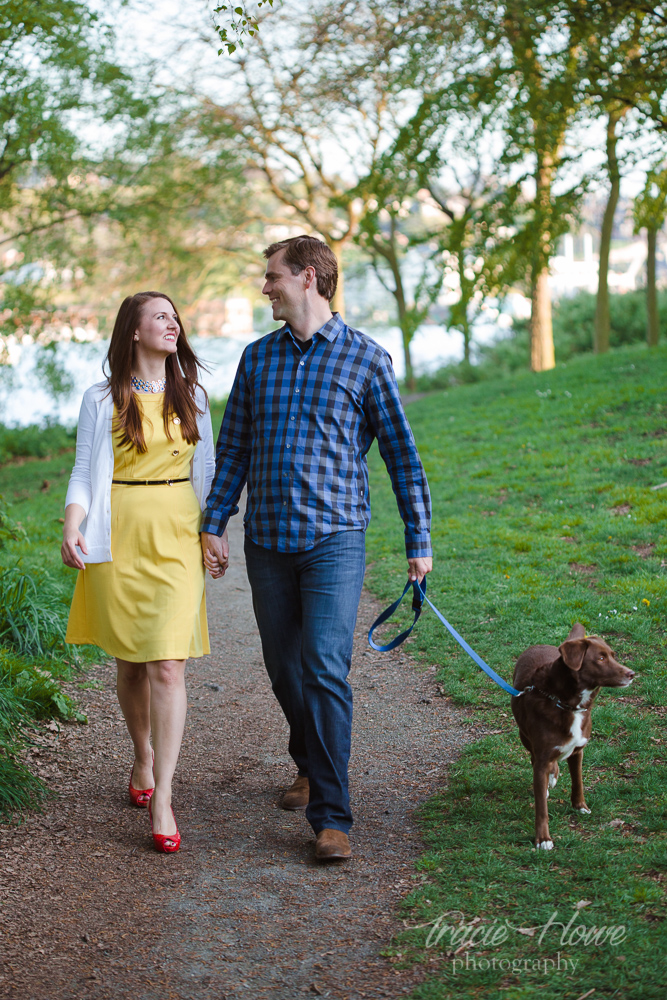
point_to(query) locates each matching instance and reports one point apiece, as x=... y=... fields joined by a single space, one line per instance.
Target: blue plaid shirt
x=298 y=424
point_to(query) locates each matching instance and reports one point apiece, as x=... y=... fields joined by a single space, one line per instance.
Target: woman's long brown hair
x=182 y=376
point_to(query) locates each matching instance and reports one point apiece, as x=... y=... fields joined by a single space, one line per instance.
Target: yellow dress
x=149 y=603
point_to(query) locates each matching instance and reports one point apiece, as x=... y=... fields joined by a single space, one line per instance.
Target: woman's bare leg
x=134 y=695
x=168 y=706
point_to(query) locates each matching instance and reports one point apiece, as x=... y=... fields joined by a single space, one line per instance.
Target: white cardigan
x=90 y=482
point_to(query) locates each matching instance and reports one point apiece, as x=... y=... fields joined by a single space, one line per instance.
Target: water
x=24 y=400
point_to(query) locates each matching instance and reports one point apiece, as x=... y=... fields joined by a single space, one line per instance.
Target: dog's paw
x=545 y=845
x=553 y=779
x=584 y=809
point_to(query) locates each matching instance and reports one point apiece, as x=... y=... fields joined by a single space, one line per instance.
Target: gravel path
x=244 y=910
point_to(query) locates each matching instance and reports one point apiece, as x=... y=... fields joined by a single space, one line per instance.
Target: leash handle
x=418 y=596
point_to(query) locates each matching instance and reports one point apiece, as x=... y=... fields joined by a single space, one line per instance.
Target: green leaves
x=242 y=22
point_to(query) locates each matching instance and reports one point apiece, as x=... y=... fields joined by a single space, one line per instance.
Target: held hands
x=418 y=568
x=215 y=553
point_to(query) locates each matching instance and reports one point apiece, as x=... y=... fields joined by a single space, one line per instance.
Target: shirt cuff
x=213 y=522
x=418 y=545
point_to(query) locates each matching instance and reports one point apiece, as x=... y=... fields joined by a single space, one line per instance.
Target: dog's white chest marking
x=577 y=739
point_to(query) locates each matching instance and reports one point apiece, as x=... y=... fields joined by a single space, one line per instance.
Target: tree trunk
x=652 y=318
x=406 y=330
x=465 y=329
x=602 y=318
x=409 y=371
x=465 y=298
x=541 y=331
x=338 y=301
x=404 y=320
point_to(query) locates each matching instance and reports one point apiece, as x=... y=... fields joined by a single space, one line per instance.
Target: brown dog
x=554 y=713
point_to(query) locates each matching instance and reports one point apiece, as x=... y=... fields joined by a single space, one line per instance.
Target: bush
x=573 y=326
x=34 y=441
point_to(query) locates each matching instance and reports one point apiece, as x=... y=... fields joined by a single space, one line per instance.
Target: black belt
x=147 y=482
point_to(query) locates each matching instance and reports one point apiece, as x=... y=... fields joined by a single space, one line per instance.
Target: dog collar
x=552 y=697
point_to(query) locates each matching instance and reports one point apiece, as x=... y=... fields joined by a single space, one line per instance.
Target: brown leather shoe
x=297 y=795
x=332 y=845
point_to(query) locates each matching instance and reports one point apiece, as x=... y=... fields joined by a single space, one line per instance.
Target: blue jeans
x=306 y=608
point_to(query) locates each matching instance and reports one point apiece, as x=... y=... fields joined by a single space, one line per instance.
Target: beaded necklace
x=141 y=385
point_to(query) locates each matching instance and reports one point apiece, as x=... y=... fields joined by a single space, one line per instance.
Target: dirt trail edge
x=244 y=910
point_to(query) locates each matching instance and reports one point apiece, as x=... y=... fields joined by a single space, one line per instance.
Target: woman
x=144 y=463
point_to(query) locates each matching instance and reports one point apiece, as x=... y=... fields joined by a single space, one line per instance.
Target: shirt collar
x=329 y=331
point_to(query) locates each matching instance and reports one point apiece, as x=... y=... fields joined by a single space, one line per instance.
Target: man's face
x=286 y=291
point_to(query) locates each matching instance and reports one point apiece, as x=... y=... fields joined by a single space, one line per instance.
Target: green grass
x=35 y=594
x=543 y=516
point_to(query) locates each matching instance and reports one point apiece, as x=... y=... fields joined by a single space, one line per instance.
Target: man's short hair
x=307 y=251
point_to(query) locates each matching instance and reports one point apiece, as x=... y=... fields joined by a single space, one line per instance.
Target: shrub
x=573 y=328
x=34 y=441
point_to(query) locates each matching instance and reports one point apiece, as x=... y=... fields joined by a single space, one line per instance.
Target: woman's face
x=158 y=329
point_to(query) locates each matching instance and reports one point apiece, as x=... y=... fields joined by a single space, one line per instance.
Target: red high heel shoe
x=140 y=797
x=165 y=843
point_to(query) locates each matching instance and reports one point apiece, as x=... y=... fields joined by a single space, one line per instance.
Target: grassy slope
x=531 y=479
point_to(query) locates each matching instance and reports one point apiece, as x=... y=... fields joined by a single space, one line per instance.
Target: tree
x=521 y=58
x=56 y=76
x=650 y=212
x=390 y=229
x=55 y=72
x=479 y=208
x=602 y=317
x=314 y=127
x=623 y=70
x=157 y=195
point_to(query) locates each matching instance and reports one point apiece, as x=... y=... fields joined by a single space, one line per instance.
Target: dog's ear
x=577 y=631
x=573 y=652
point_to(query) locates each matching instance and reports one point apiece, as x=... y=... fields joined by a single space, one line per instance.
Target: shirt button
x=284 y=503
x=289 y=445
x=296 y=390
x=302 y=363
x=292 y=418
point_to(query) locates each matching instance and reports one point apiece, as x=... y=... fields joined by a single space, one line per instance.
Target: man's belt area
x=147 y=482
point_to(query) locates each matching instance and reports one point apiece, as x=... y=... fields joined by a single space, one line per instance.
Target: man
x=307 y=402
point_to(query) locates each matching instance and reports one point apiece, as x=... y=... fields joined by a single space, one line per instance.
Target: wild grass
x=19 y=788
x=33 y=619
x=543 y=515
x=35 y=593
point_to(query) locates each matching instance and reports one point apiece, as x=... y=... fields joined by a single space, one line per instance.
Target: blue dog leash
x=418 y=598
